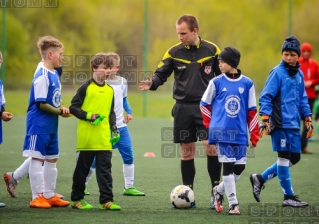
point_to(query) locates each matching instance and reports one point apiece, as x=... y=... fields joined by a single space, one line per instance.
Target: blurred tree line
x=256 y=27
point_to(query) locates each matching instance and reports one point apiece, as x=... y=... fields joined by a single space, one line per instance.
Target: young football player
x=283 y=103
x=41 y=140
x=93 y=105
x=12 y=178
x=121 y=104
x=228 y=107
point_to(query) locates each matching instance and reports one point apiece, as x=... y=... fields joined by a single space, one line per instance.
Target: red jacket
x=310 y=69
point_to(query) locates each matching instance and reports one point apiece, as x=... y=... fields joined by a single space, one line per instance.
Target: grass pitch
x=154 y=176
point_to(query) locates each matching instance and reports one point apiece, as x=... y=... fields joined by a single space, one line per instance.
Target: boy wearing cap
x=283 y=102
x=236 y=93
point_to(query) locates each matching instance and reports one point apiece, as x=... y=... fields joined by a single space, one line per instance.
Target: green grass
x=154 y=176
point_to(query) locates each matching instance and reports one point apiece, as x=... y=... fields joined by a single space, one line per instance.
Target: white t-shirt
x=119 y=86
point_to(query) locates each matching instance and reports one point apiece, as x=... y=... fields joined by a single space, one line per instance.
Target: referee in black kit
x=194 y=62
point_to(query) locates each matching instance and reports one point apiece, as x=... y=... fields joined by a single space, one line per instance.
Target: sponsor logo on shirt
x=181 y=67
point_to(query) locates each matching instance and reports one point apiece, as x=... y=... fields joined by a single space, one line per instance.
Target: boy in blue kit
x=283 y=103
x=4 y=115
x=119 y=85
x=228 y=106
x=12 y=178
x=41 y=141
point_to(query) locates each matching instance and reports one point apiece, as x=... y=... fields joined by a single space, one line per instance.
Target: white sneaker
x=234 y=209
x=218 y=202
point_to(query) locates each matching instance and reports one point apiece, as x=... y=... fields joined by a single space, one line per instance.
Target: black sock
x=214 y=168
x=188 y=172
x=286 y=197
x=260 y=178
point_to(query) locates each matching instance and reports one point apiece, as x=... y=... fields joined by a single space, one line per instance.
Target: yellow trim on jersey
x=182 y=60
x=168 y=55
x=217 y=49
x=204 y=59
x=197 y=45
x=160 y=64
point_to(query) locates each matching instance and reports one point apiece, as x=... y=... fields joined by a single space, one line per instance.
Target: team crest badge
x=208 y=69
x=241 y=90
x=232 y=106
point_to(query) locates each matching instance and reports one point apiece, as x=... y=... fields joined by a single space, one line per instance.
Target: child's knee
x=294 y=158
x=239 y=168
x=127 y=155
x=128 y=160
x=228 y=168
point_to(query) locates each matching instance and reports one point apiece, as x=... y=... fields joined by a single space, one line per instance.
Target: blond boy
x=41 y=141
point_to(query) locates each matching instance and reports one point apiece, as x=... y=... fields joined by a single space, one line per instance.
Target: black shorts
x=188 y=123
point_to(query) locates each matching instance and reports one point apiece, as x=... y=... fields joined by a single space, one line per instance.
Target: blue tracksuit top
x=284 y=98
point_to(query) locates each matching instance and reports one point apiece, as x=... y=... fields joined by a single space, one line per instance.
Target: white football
x=182 y=197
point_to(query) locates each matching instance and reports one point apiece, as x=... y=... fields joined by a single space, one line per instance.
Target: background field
x=155 y=176
x=145 y=29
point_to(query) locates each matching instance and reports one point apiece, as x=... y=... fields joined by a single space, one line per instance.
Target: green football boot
x=110 y=206
x=133 y=192
x=81 y=204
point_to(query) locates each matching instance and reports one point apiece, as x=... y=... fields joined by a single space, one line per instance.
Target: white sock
x=42 y=181
x=89 y=176
x=35 y=176
x=50 y=173
x=230 y=189
x=128 y=171
x=221 y=186
x=237 y=177
x=22 y=170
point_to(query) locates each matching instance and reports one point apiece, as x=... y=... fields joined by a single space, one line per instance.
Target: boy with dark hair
x=283 y=103
x=228 y=106
x=119 y=85
x=93 y=105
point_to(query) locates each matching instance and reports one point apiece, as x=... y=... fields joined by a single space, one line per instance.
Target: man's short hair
x=190 y=20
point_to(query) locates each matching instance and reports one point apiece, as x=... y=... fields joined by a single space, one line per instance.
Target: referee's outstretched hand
x=145 y=84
